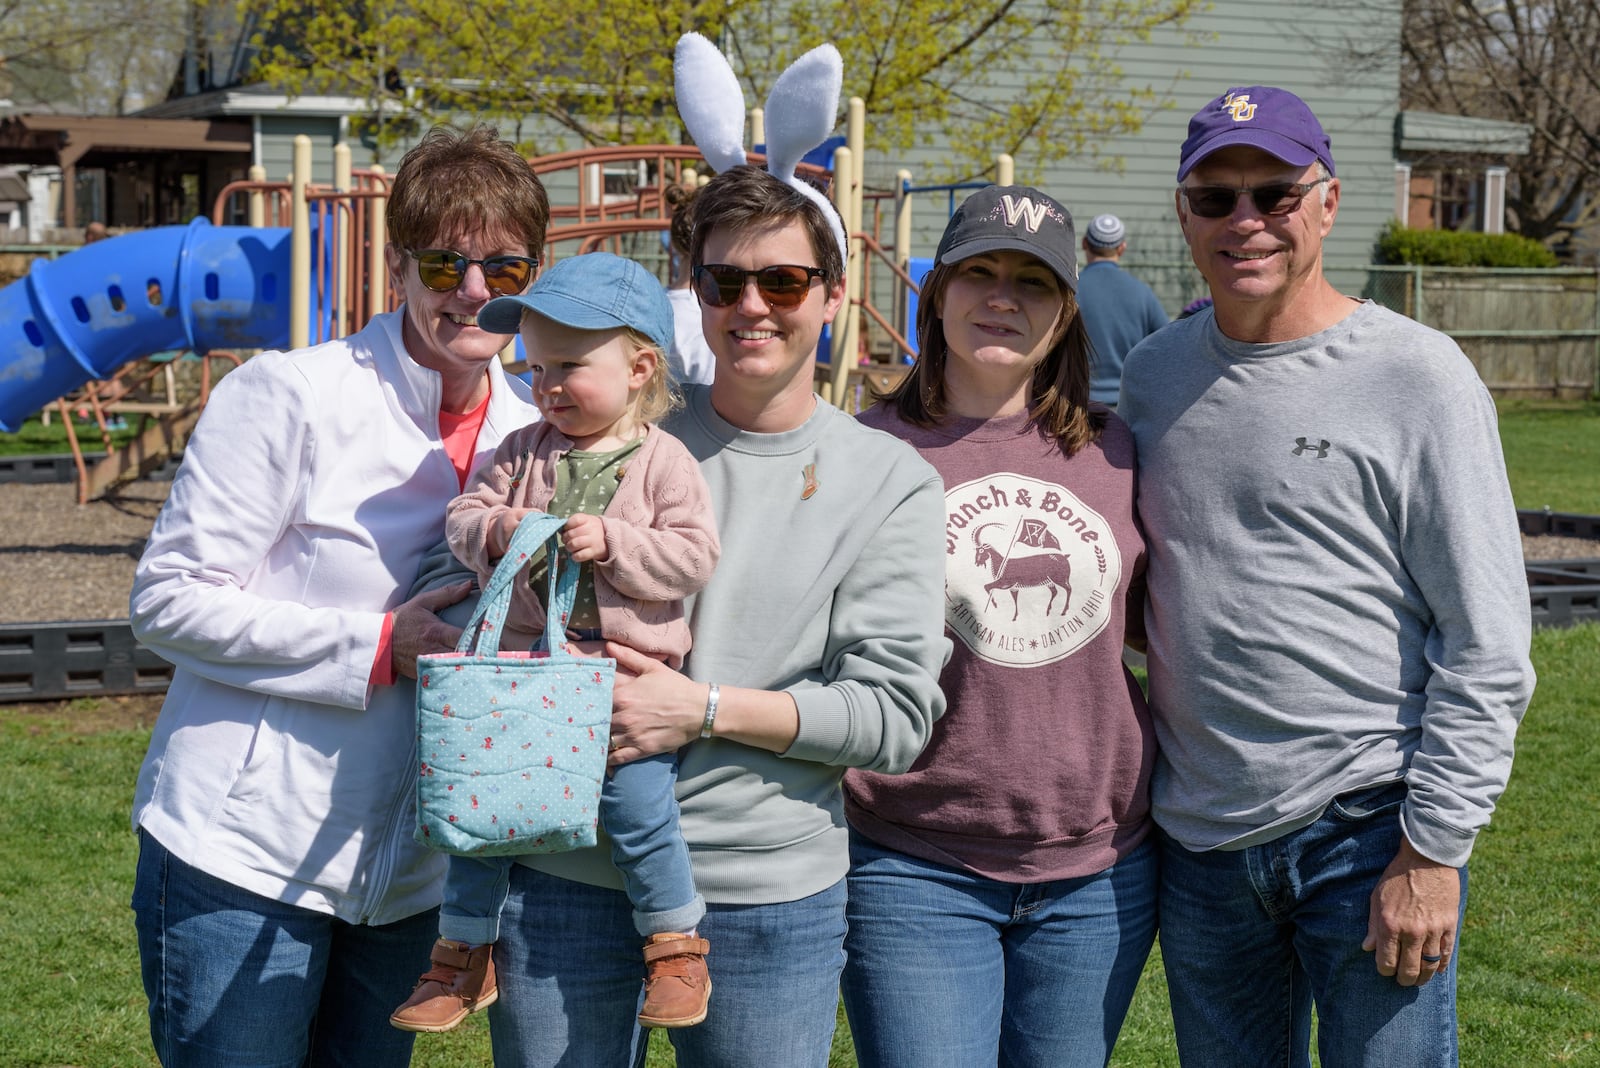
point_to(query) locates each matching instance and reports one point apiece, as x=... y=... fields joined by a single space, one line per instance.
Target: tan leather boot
x=460 y=983
x=677 y=986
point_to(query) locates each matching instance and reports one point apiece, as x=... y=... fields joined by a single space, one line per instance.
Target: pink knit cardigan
x=661 y=538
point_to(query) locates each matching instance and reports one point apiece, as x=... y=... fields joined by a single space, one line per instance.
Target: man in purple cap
x=1338 y=623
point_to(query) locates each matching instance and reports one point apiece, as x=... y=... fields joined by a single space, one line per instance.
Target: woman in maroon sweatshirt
x=1002 y=892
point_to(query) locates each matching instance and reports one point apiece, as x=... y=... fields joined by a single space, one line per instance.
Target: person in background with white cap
x=1338 y=623
x=691 y=359
x=1003 y=891
x=640 y=529
x=1118 y=309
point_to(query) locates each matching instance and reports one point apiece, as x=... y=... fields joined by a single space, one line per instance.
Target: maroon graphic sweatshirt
x=1040 y=767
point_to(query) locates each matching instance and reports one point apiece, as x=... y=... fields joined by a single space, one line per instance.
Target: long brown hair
x=1058 y=397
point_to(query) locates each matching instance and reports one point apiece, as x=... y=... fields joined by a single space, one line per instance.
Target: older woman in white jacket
x=282 y=907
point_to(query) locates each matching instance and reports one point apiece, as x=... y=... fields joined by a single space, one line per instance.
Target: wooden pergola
x=73 y=141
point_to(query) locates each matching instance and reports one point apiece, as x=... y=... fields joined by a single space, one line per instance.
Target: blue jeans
x=1252 y=937
x=640 y=814
x=241 y=980
x=571 y=970
x=947 y=967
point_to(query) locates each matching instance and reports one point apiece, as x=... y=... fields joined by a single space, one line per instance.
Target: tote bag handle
x=488 y=619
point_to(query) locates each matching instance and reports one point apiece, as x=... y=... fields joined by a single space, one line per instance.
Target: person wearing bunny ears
x=817 y=642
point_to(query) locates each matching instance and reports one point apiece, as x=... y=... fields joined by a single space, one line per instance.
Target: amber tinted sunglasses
x=1217 y=201
x=782 y=286
x=443 y=269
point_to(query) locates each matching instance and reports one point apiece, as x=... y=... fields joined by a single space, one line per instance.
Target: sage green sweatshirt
x=836 y=596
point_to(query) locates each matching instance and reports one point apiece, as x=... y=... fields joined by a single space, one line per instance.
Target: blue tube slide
x=918 y=269
x=198 y=287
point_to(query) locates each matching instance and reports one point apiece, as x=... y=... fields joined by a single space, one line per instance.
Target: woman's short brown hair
x=459 y=181
x=1058 y=397
x=742 y=198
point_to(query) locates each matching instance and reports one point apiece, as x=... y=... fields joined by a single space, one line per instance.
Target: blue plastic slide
x=198 y=287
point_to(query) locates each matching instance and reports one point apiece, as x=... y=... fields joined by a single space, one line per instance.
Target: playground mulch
x=66 y=561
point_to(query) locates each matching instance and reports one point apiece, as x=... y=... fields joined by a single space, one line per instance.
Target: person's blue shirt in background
x=1119 y=311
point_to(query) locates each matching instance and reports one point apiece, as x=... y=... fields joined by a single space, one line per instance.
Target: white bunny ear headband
x=800 y=113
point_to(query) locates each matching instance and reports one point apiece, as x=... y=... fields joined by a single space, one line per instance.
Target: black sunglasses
x=1218 y=201
x=443 y=269
x=782 y=286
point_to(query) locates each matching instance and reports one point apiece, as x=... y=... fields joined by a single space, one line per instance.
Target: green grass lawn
x=1553 y=453
x=37 y=439
x=1530 y=987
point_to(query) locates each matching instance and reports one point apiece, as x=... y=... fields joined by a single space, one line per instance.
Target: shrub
x=1460 y=248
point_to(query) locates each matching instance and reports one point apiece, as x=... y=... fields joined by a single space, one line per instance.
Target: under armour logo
x=1301 y=446
x=1023 y=210
x=1239 y=107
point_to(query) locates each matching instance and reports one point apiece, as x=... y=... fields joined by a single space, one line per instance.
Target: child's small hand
x=505 y=525
x=584 y=538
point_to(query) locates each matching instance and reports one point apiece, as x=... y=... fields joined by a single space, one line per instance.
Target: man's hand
x=417 y=629
x=1412 y=923
x=584 y=538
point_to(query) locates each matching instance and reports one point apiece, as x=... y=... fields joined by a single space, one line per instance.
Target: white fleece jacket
x=311 y=489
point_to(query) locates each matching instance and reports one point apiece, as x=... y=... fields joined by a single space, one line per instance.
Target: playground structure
x=97 y=331
x=103 y=328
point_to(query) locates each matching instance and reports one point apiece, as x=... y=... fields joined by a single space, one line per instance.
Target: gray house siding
x=1293 y=44
x=277 y=133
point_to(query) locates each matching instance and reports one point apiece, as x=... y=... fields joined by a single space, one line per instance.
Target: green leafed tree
x=595 y=73
x=1037 y=78
x=1532 y=62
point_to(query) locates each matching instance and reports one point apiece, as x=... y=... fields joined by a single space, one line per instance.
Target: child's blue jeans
x=640 y=814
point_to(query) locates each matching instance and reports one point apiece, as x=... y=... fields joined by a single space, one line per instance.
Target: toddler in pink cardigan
x=596 y=329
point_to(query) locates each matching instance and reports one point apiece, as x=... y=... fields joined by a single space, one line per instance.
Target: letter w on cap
x=1023 y=210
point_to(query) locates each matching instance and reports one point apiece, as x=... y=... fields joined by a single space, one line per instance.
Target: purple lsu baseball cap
x=1273 y=120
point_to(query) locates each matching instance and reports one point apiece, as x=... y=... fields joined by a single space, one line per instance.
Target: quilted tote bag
x=512 y=745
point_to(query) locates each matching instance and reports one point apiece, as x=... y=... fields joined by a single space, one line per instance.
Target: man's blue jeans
x=241 y=980
x=571 y=971
x=640 y=814
x=947 y=967
x=1252 y=937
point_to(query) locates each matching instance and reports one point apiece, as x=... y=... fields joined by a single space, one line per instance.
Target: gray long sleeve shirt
x=1336 y=590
